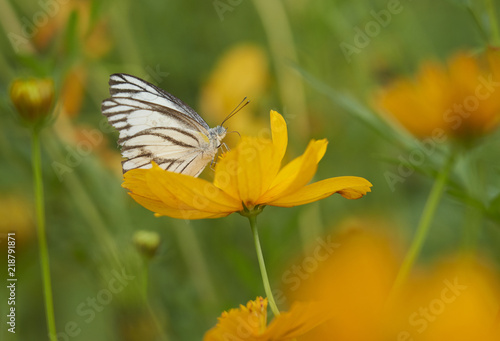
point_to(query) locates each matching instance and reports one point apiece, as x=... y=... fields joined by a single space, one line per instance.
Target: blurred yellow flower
x=241 y=72
x=73 y=90
x=92 y=31
x=15 y=211
x=33 y=98
x=457 y=300
x=353 y=281
x=246 y=178
x=250 y=323
x=459 y=100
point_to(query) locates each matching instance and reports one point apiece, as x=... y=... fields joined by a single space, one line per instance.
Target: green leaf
x=364 y=114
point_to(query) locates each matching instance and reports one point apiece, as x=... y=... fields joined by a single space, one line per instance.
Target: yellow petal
x=297 y=173
x=189 y=193
x=280 y=142
x=302 y=317
x=254 y=158
x=226 y=171
x=245 y=323
x=248 y=170
x=350 y=187
x=135 y=182
x=161 y=209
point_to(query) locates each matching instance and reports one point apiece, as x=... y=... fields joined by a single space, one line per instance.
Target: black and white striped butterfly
x=157 y=126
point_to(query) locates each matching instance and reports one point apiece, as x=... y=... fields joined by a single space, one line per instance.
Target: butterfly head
x=216 y=135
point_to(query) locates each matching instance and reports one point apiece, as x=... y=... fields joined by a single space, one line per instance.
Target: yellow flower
x=456 y=299
x=33 y=98
x=73 y=91
x=249 y=323
x=352 y=281
x=242 y=71
x=14 y=210
x=247 y=178
x=91 y=29
x=459 y=99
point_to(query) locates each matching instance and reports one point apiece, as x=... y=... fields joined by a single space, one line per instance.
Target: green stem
x=284 y=53
x=473 y=176
x=196 y=262
x=472 y=228
x=42 y=240
x=262 y=265
x=478 y=23
x=495 y=35
x=424 y=224
x=151 y=310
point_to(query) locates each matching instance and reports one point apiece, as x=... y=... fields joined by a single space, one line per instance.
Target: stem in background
x=42 y=240
x=472 y=228
x=424 y=224
x=196 y=262
x=492 y=16
x=473 y=177
x=262 y=265
x=284 y=54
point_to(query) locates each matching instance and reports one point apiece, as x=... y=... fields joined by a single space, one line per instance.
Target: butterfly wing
x=156 y=126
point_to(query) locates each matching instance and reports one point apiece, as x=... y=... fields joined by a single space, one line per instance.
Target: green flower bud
x=146 y=242
x=33 y=98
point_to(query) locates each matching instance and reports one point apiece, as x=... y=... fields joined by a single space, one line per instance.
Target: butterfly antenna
x=235 y=110
x=234 y=131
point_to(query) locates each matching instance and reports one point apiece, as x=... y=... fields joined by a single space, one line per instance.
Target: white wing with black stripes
x=157 y=126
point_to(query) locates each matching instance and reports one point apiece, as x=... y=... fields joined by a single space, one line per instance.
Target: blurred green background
x=204 y=267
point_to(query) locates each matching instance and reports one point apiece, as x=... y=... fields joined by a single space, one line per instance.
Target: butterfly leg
x=222 y=149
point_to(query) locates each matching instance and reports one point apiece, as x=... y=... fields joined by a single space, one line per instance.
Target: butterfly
x=157 y=126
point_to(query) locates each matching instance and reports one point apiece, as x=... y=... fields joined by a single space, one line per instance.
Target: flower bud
x=33 y=98
x=146 y=242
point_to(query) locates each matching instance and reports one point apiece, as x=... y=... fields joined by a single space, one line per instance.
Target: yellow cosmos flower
x=247 y=178
x=249 y=323
x=353 y=283
x=460 y=100
x=242 y=71
x=92 y=31
x=454 y=299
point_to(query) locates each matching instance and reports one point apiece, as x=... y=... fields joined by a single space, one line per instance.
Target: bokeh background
x=307 y=60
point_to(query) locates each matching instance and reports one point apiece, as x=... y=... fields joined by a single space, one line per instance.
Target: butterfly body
x=157 y=126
